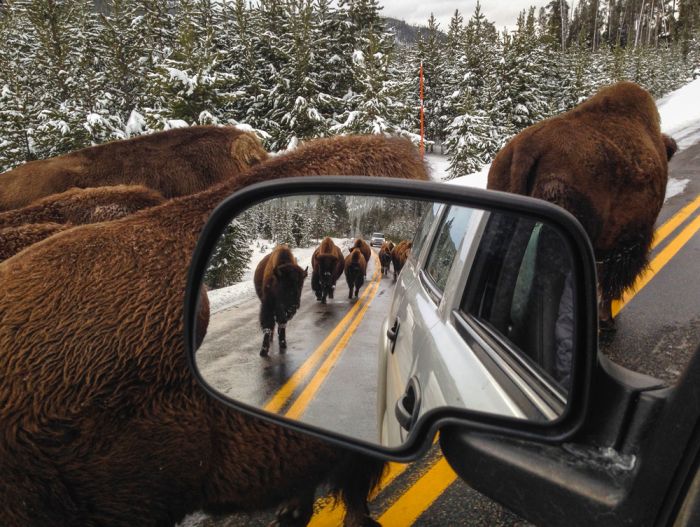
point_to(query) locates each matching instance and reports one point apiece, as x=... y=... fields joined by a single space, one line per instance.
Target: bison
x=355 y=270
x=399 y=256
x=97 y=388
x=175 y=163
x=327 y=266
x=364 y=247
x=606 y=162
x=278 y=283
x=385 y=256
x=81 y=206
x=14 y=239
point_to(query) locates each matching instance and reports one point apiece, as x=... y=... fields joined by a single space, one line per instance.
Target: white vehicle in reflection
x=377 y=239
x=481 y=318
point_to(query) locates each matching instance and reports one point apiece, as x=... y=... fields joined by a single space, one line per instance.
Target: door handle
x=408 y=405
x=393 y=332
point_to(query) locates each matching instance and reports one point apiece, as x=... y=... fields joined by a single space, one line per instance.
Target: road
x=658 y=329
x=331 y=357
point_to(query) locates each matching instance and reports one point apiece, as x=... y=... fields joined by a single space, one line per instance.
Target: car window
x=447 y=241
x=521 y=289
x=424 y=226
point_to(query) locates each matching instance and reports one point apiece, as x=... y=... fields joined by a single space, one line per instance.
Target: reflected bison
x=278 y=283
x=606 y=162
x=14 y=239
x=81 y=206
x=355 y=270
x=96 y=383
x=385 y=256
x=175 y=163
x=364 y=248
x=399 y=256
x=327 y=266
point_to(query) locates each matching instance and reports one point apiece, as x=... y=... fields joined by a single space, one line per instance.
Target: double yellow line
x=439 y=476
x=341 y=333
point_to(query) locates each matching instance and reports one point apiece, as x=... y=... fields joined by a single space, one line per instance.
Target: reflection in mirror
x=361 y=314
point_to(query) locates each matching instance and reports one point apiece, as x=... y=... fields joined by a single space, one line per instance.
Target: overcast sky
x=502 y=12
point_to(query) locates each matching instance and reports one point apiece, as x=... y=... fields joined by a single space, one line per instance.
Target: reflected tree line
x=301 y=222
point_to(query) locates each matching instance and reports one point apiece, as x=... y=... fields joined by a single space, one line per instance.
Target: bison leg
x=606 y=322
x=330 y=292
x=281 y=331
x=354 y=480
x=296 y=512
x=267 y=338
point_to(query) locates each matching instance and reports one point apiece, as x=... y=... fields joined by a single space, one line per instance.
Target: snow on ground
x=680 y=114
x=236 y=294
x=680 y=118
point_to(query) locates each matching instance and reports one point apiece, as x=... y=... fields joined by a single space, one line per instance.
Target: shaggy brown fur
x=14 y=239
x=606 y=162
x=327 y=265
x=385 y=256
x=175 y=163
x=81 y=206
x=364 y=247
x=102 y=421
x=278 y=282
x=399 y=256
x=355 y=270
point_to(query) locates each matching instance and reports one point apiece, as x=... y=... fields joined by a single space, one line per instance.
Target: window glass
x=521 y=286
x=447 y=241
x=425 y=223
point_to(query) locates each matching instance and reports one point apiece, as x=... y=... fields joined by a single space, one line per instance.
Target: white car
x=377 y=239
x=472 y=322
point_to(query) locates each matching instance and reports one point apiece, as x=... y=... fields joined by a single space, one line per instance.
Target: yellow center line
x=420 y=496
x=316 y=381
x=673 y=222
x=657 y=264
x=330 y=514
x=423 y=493
x=282 y=395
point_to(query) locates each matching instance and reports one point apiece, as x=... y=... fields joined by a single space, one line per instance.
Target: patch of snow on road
x=675 y=187
x=680 y=114
x=475 y=180
x=236 y=294
x=439 y=166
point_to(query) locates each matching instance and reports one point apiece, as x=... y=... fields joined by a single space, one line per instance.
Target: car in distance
x=377 y=239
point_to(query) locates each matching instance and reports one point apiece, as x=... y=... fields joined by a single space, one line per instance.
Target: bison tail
x=354 y=479
x=671 y=146
x=619 y=268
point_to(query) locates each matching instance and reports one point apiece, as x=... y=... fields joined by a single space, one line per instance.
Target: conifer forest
x=75 y=73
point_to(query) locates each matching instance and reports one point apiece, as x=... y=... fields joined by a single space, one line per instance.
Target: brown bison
x=278 y=283
x=327 y=266
x=606 y=162
x=364 y=247
x=14 y=239
x=399 y=256
x=80 y=206
x=96 y=387
x=175 y=163
x=355 y=270
x=385 y=256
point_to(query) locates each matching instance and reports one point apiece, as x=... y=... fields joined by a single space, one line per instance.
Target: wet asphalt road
x=657 y=333
x=230 y=362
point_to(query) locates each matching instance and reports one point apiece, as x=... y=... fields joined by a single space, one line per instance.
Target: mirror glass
x=361 y=314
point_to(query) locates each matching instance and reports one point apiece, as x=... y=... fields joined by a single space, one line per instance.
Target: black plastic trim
x=553 y=431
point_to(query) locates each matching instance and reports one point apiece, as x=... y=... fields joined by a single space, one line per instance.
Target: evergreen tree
x=230 y=258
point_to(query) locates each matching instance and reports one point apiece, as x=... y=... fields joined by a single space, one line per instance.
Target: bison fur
x=176 y=162
x=327 y=264
x=606 y=162
x=355 y=271
x=102 y=420
x=278 y=283
x=399 y=256
x=82 y=206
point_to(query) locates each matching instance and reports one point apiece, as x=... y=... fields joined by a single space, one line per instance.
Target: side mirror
x=481 y=312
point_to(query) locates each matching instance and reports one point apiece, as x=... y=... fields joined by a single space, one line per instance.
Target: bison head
x=326 y=267
x=289 y=283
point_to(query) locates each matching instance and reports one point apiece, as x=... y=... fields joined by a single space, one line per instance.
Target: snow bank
x=235 y=295
x=680 y=114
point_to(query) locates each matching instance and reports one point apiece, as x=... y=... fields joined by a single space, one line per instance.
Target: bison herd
x=103 y=421
x=279 y=280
